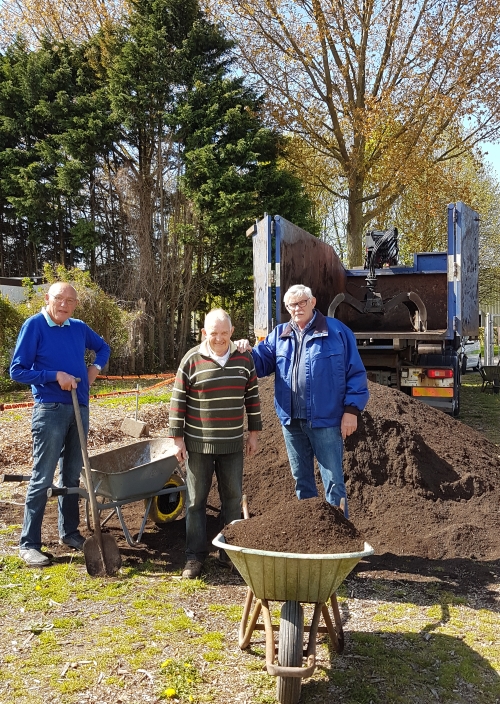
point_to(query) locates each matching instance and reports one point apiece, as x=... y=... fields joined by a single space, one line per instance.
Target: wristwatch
x=97 y=366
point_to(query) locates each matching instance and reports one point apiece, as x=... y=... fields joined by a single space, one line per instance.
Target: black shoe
x=192 y=569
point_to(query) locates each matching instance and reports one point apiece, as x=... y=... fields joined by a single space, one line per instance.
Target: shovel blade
x=94 y=561
x=112 y=557
x=106 y=563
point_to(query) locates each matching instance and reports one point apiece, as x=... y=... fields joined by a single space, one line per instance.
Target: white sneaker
x=34 y=557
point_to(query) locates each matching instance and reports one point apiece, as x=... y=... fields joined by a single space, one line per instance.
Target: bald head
x=61 y=300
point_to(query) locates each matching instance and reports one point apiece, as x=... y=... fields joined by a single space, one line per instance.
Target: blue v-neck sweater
x=43 y=350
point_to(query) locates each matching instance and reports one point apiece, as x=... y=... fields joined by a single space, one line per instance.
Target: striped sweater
x=208 y=401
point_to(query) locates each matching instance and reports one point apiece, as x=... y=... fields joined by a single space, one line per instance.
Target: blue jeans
x=303 y=443
x=55 y=439
x=199 y=471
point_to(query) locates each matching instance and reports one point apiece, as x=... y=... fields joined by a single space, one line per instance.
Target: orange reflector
x=440 y=373
x=430 y=391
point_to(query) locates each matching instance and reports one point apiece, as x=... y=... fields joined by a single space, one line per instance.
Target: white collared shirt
x=217 y=358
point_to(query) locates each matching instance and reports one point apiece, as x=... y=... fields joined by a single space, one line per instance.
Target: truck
x=409 y=321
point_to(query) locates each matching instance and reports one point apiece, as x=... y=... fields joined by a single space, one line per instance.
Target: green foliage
x=11 y=320
x=180 y=679
x=95 y=307
x=140 y=154
x=54 y=125
x=233 y=175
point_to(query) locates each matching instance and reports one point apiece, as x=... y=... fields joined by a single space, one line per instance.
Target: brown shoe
x=192 y=569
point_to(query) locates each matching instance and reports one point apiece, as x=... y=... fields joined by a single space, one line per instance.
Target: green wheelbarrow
x=293 y=578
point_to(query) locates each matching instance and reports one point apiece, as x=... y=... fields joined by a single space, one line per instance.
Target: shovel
x=100 y=550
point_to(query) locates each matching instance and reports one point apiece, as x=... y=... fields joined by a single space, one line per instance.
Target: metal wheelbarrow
x=146 y=470
x=294 y=579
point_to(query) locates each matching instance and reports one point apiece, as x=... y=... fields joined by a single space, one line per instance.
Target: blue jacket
x=335 y=376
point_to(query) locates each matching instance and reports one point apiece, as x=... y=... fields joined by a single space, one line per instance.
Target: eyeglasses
x=299 y=304
x=60 y=299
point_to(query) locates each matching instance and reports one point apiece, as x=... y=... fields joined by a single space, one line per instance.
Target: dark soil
x=420 y=485
x=288 y=528
x=419 y=482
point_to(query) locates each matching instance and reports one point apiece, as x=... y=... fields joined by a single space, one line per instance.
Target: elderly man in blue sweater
x=50 y=355
x=320 y=389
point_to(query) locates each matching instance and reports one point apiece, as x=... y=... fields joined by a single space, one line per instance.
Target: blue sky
x=493 y=155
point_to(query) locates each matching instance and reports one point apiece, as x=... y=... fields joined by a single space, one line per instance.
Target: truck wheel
x=167 y=507
x=290 y=648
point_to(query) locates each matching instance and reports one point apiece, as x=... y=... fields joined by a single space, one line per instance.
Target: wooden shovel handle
x=88 y=474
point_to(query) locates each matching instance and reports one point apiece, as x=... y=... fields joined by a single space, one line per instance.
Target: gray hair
x=217 y=314
x=297 y=290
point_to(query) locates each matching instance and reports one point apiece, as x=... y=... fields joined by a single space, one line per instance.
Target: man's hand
x=181 y=452
x=252 y=439
x=92 y=373
x=348 y=424
x=243 y=346
x=66 y=381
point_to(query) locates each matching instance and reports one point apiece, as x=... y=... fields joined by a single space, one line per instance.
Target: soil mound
x=418 y=481
x=289 y=528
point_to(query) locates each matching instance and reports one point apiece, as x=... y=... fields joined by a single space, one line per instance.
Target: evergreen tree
x=233 y=174
x=54 y=124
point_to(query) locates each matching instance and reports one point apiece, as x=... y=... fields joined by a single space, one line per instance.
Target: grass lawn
x=480 y=409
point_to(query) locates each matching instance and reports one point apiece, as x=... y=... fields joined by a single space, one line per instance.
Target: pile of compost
x=289 y=528
x=419 y=484
x=418 y=481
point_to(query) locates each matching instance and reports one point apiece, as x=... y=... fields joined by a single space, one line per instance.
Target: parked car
x=471 y=355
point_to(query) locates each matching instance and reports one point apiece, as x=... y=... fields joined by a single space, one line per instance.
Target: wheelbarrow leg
x=268 y=627
x=246 y=629
x=133 y=543
x=336 y=632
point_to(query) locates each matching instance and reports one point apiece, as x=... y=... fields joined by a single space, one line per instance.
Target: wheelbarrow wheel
x=290 y=650
x=167 y=507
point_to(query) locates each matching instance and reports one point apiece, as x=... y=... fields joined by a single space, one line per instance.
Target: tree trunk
x=355 y=226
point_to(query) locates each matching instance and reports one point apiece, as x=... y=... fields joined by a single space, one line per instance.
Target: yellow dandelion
x=37 y=588
x=166 y=663
x=170 y=692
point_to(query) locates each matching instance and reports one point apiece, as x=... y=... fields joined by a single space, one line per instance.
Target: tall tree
x=156 y=56
x=375 y=86
x=54 y=125
x=233 y=174
x=196 y=166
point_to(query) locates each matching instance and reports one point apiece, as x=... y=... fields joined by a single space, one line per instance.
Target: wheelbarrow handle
x=15 y=478
x=57 y=491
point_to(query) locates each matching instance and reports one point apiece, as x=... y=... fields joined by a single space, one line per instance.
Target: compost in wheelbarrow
x=138 y=470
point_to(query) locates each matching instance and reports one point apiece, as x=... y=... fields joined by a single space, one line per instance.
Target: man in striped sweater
x=214 y=386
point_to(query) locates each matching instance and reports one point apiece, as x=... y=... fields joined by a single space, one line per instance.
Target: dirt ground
x=421 y=486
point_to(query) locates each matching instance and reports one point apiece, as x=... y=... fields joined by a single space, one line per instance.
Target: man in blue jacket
x=50 y=355
x=320 y=390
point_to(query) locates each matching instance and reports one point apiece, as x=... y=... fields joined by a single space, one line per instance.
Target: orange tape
x=167 y=379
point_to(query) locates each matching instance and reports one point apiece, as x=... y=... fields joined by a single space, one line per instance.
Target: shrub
x=11 y=320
